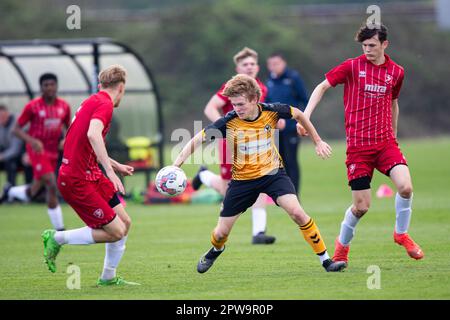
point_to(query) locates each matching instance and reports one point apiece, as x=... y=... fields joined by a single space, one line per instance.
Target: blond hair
x=112 y=76
x=242 y=85
x=245 y=53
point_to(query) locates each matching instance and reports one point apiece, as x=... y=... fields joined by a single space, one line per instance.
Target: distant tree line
x=190 y=53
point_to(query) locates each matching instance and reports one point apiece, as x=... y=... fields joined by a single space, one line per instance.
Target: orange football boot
x=340 y=252
x=413 y=249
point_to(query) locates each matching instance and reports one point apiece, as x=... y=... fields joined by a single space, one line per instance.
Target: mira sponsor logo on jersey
x=374 y=91
x=374 y=88
x=253 y=147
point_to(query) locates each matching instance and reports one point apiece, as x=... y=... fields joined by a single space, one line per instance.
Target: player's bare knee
x=361 y=206
x=405 y=190
x=118 y=233
x=127 y=222
x=221 y=233
x=299 y=216
x=361 y=209
x=52 y=189
x=48 y=180
x=113 y=237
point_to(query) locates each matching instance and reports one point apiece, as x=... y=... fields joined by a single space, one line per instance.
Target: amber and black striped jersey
x=252 y=142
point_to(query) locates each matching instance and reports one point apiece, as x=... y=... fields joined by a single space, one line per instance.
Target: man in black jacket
x=286 y=86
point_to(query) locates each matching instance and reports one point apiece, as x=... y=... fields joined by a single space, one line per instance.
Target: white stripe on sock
x=75 y=236
x=259 y=218
x=324 y=257
x=56 y=217
x=113 y=254
x=403 y=213
x=348 y=226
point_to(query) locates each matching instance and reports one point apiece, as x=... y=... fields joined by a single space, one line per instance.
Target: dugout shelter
x=76 y=63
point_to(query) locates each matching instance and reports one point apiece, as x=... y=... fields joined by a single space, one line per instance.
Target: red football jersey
x=79 y=159
x=229 y=107
x=46 y=121
x=368 y=93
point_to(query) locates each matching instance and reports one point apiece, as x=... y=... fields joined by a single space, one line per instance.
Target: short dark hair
x=367 y=32
x=277 y=54
x=47 y=76
x=3 y=107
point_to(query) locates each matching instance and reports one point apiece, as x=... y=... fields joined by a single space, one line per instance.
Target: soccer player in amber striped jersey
x=48 y=116
x=372 y=84
x=257 y=166
x=246 y=62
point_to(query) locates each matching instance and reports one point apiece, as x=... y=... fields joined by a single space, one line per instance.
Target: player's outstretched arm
x=323 y=150
x=189 y=149
x=95 y=137
x=316 y=97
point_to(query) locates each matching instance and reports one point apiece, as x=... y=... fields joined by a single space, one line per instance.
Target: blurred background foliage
x=189 y=45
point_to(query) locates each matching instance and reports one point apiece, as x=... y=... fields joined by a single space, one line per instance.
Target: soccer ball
x=171 y=181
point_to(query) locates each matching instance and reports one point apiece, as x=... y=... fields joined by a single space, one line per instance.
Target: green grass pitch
x=166 y=241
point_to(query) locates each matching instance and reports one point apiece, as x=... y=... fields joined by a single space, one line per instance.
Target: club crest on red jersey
x=388 y=78
x=351 y=168
x=98 y=214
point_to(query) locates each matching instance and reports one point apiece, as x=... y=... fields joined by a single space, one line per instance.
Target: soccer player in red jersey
x=246 y=62
x=82 y=184
x=372 y=84
x=48 y=116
